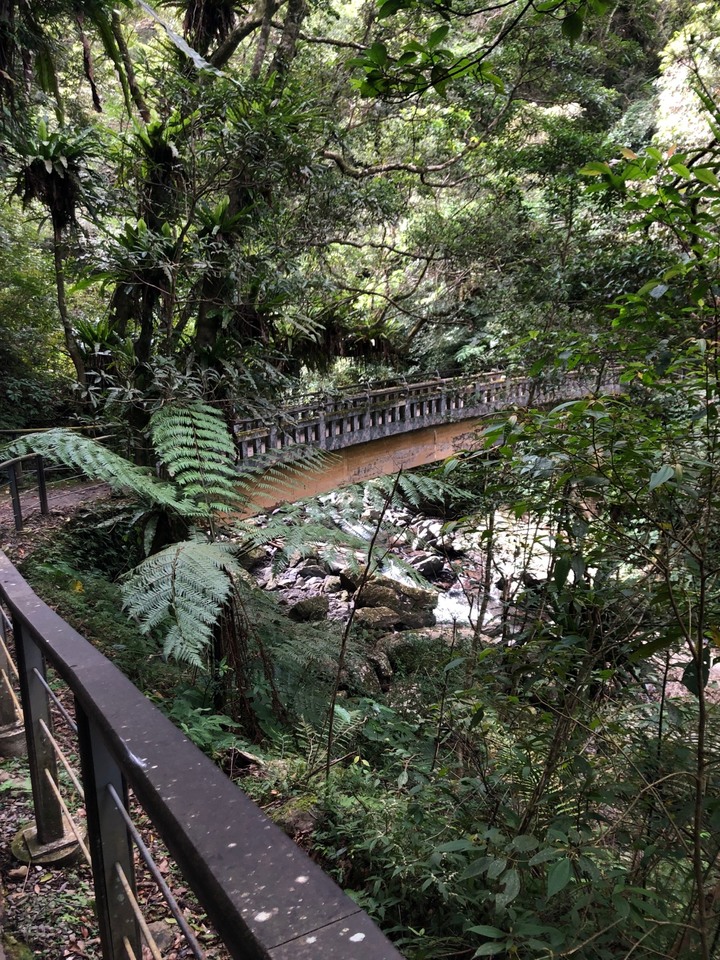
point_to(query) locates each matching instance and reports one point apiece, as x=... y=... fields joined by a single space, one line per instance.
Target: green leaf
x=378 y=54
x=690 y=674
x=390 y=7
x=572 y=27
x=485 y=931
x=453 y=664
x=439 y=79
x=648 y=287
x=706 y=175
x=496 y=868
x=476 y=868
x=595 y=168
x=455 y=846
x=525 y=842
x=681 y=170
x=648 y=649
x=438 y=35
x=661 y=476
x=490 y=949
x=559 y=876
x=487 y=73
x=512 y=889
x=562 y=569
x=549 y=853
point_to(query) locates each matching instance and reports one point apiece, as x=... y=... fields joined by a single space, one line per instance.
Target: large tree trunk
x=8 y=51
x=70 y=342
x=285 y=50
x=261 y=49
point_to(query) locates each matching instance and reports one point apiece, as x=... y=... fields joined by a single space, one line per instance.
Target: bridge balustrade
x=336 y=423
x=264 y=896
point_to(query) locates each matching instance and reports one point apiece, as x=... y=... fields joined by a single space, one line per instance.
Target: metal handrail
x=265 y=897
x=11 y=467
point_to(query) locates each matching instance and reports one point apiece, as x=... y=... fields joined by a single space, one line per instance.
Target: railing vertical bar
x=158 y=877
x=69 y=818
x=17 y=712
x=53 y=696
x=4 y=648
x=130 y=953
x=12 y=731
x=132 y=899
x=63 y=760
x=108 y=839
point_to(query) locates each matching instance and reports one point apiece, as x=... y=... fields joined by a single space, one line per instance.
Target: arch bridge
x=381 y=431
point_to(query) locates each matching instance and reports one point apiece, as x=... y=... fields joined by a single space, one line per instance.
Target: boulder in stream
x=310 y=609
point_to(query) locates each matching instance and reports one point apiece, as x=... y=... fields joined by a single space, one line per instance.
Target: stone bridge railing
x=333 y=423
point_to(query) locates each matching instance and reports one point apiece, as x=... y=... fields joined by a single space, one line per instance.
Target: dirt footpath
x=63 y=501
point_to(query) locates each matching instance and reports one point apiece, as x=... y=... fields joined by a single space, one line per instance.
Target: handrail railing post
x=48 y=840
x=108 y=841
x=42 y=487
x=15 y=495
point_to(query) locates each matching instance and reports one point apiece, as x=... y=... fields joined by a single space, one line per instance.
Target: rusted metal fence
x=265 y=897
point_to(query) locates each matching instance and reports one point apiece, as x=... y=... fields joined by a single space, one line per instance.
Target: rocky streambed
x=426 y=571
x=428 y=574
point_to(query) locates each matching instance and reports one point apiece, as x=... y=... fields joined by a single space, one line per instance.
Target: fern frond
x=274 y=473
x=196 y=448
x=184 y=586
x=97 y=462
x=294 y=536
x=414 y=489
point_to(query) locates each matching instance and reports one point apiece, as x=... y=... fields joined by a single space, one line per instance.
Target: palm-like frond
x=415 y=489
x=99 y=463
x=184 y=586
x=274 y=474
x=194 y=445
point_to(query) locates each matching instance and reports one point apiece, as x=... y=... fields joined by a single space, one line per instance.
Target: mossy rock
x=407 y=652
x=14 y=950
x=310 y=610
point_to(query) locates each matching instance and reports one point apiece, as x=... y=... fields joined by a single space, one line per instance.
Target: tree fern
x=196 y=449
x=183 y=588
x=274 y=472
x=414 y=489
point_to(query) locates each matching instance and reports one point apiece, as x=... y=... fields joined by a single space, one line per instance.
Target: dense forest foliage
x=213 y=207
